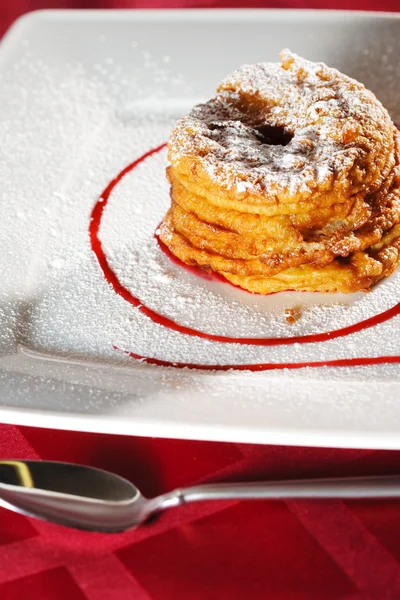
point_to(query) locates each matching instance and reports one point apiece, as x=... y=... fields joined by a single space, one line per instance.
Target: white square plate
x=83 y=96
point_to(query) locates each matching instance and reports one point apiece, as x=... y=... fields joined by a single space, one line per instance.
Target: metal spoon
x=96 y=500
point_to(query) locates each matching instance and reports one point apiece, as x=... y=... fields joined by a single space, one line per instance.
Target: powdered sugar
x=75 y=313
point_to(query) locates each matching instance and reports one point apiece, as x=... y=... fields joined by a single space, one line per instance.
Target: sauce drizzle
x=112 y=279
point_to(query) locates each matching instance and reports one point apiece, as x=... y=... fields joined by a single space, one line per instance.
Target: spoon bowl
x=73 y=495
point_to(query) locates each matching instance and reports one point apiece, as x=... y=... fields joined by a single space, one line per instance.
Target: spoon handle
x=350 y=487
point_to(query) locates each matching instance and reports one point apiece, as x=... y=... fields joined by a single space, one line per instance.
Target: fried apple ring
x=288 y=179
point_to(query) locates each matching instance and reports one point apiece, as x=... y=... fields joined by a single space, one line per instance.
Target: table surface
x=227 y=550
x=307 y=550
x=12 y=9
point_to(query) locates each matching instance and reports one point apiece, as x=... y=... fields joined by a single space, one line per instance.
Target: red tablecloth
x=249 y=550
x=11 y=9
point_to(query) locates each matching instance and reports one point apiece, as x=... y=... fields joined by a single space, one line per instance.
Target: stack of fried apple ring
x=289 y=179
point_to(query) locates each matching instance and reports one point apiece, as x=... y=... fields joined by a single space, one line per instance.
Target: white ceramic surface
x=84 y=94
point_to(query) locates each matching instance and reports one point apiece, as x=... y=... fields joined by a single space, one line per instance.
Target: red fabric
x=266 y=550
x=250 y=550
x=11 y=9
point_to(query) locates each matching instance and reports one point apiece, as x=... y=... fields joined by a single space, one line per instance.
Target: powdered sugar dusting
x=76 y=313
x=72 y=311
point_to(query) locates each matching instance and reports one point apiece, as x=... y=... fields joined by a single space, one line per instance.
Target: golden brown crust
x=288 y=179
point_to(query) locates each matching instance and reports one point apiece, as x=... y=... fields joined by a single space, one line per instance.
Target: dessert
x=289 y=179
